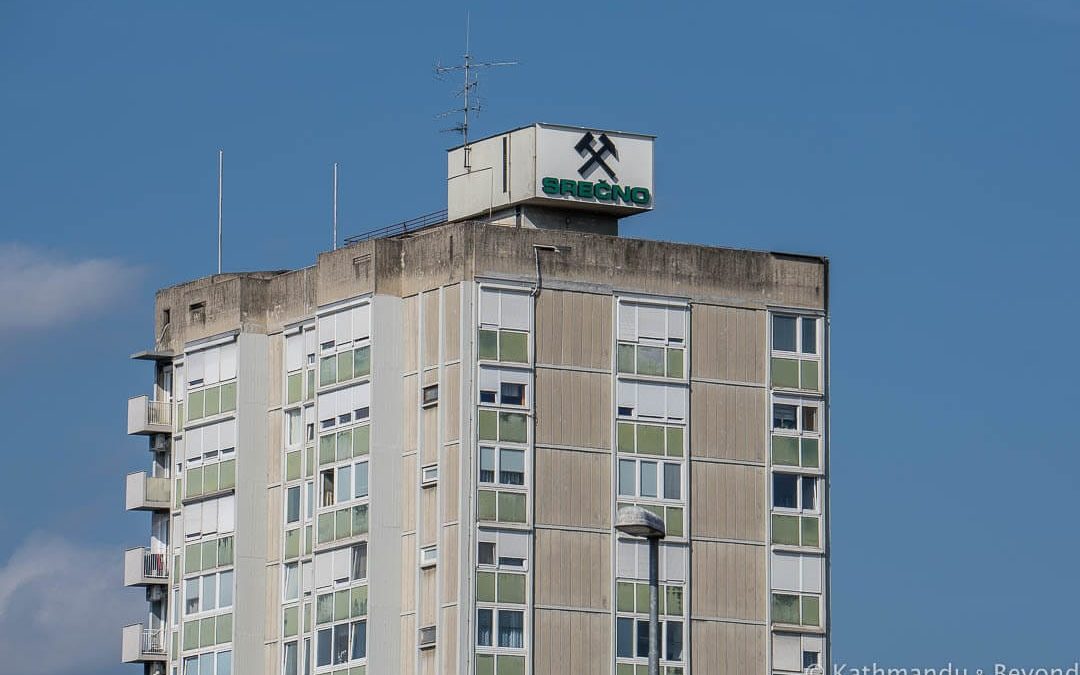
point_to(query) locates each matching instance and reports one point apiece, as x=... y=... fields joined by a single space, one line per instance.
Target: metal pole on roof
x=335 y=206
x=220 y=167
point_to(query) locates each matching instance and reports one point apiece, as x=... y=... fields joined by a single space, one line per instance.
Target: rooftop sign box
x=552 y=165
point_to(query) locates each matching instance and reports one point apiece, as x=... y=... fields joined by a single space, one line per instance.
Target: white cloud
x=62 y=606
x=39 y=289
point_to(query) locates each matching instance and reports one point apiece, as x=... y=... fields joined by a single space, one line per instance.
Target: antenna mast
x=470 y=99
x=335 y=208
x=220 y=166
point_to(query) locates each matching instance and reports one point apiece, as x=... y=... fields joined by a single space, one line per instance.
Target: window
x=294 y=427
x=344 y=483
x=503 y=386
x=810 y=659
x=358 y=567
x=795 y=492
x=796 y=417
x=291 y=581
x=429 y=555
x=650 y=479
x=292 y=504
x=427 y=636
x=211 y=663
x=208 y=593
x=485 y=553
x=429 y=475
x=341 y=643
x=290 y=658
x=796 y=334
x=512 y=393
x=507 y=464
x=500 y=628
x=429 y=395
x=796 y=609
x=632 y=639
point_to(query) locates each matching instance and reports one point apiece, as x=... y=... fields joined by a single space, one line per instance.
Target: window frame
x=497 y=450
x=494 y=648
x=800 y=480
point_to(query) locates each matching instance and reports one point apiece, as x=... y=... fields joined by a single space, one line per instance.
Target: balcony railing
x=154 y=566
x=142 y=644
x=143 y=567
x=153 y=641
x=149 y=417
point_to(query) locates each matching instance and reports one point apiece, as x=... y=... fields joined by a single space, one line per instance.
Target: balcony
x=143 y=568
x=149 y=417
x=146 y=493
x=141 y=644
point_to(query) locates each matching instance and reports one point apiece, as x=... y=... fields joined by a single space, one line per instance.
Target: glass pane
x=487 y=465
x=642 y=638
x=511 y=628
x=489 y=425
x=327 y=370
x=650 y=439
x=785 y=530
x=225 y=589
x=488 y=344
x=809 y=418
x=324 y=608
x=341 y=643
x=785 y=450
x=191 y=596
x=624 y=638
x=511 y=467
x=513 y=346
x=626 y=477
x=485 y=553
x=784 y=416
x=625 y=358
x=809 y=493
x=809 y=336
x=292 y=504
x=809 y=453
x=648 y=479
x=785 y=491
x=483 y=627
x=512 y=427
x=224 y=663
x=650 y=361
x=360 y=479
x=811 y=611
x=359 y=640
x=209 y=592
x=673 y=641
x=513 y=394
x=291 y=586
x=675 y=363
x=290 y=658
x=625 y=436
x=783 y=337
x=809 y=373
x=785 y=608
x=344 y=484
x=487 y=396
x=785 y=373
x=672 y=481
x=362 y=362
x=359 y=562
x=323 y=648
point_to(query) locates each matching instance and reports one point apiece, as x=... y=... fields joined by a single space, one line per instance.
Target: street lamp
x=638 y=522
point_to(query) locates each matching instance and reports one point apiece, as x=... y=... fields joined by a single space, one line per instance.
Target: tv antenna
x=470 y=99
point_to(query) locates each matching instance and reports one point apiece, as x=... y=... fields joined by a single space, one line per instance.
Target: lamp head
x=638 y=522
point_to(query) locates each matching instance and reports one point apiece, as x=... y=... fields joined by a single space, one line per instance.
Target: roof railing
x=404 y=227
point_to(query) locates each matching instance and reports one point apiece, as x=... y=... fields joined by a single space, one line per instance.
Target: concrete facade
x=513 y=386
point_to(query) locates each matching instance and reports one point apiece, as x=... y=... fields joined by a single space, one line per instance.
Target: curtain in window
x=483 y=627
x=511 y=629
x=359 y=640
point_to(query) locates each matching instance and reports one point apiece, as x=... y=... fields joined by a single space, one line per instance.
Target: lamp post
x=638 y=522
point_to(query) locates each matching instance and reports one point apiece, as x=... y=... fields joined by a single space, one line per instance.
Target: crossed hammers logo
x=596 y=155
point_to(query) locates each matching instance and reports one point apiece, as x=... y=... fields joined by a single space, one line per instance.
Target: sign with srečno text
x=605 y=168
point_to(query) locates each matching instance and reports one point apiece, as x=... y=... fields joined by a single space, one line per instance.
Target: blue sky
x=930 y=149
